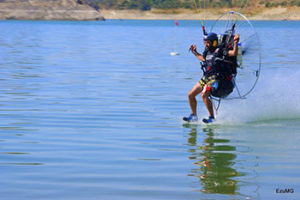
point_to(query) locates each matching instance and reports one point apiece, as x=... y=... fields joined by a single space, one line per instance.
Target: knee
x=191 y=95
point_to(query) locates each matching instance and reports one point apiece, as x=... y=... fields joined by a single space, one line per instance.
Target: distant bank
x=278 y=13
x=78 y=10
x=47 y=10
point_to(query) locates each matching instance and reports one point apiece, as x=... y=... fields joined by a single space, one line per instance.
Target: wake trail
x=276 y=97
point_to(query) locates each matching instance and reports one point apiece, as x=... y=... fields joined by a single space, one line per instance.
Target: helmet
x=213 y=38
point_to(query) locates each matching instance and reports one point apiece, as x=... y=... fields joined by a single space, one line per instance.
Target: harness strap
x=213 y=103
x=228 y=78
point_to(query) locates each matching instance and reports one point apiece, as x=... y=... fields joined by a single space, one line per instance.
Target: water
x=92 y=110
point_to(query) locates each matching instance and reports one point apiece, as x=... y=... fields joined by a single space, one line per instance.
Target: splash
x=276 y=97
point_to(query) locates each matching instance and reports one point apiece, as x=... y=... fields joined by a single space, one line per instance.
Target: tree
x=146 y=4
x=133 y=4
x=123 y=5
x=187 y=4
x=167 y=4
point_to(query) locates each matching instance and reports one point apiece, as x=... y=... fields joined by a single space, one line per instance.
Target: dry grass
x=278 y=13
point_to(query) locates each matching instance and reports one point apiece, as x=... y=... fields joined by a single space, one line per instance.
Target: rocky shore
x=47 y=10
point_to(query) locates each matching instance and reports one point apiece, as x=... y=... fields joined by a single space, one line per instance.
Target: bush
x=268 y=5
x=284 y=4
x=123 y=5
x=293 y=3
x=217 y=5
x=187 y=4
x=133 y=5
x=167 y=4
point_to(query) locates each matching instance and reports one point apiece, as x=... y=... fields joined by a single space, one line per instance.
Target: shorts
x=218 y=87
x=206 y=83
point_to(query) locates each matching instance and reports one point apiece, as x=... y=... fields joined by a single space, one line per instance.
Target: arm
x=193 y=48
x=234 y=52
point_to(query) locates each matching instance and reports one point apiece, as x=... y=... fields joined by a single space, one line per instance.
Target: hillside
x=48 y=10
x=189 y=4
x=277 y=13
x=146 y=9
x=196 y=9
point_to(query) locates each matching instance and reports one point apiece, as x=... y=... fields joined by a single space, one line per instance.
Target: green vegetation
x=187 y=4
x=270 y=4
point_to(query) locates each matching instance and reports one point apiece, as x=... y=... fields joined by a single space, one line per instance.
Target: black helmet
x=213 y=38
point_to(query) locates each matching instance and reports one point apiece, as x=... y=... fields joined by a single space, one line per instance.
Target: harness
x=218 y=64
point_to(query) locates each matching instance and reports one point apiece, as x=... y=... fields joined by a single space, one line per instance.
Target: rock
x=48 y=10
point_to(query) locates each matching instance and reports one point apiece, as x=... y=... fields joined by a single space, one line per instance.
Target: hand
x=236 y=38
x=193 y=48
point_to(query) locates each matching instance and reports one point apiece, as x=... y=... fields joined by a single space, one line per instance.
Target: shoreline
x=273 y=14
x=48 y=10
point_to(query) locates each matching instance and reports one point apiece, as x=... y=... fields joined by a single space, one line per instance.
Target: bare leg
x=192 y=97
x=208 y=103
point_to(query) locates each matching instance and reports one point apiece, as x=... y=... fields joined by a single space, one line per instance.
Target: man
x=215 y=71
